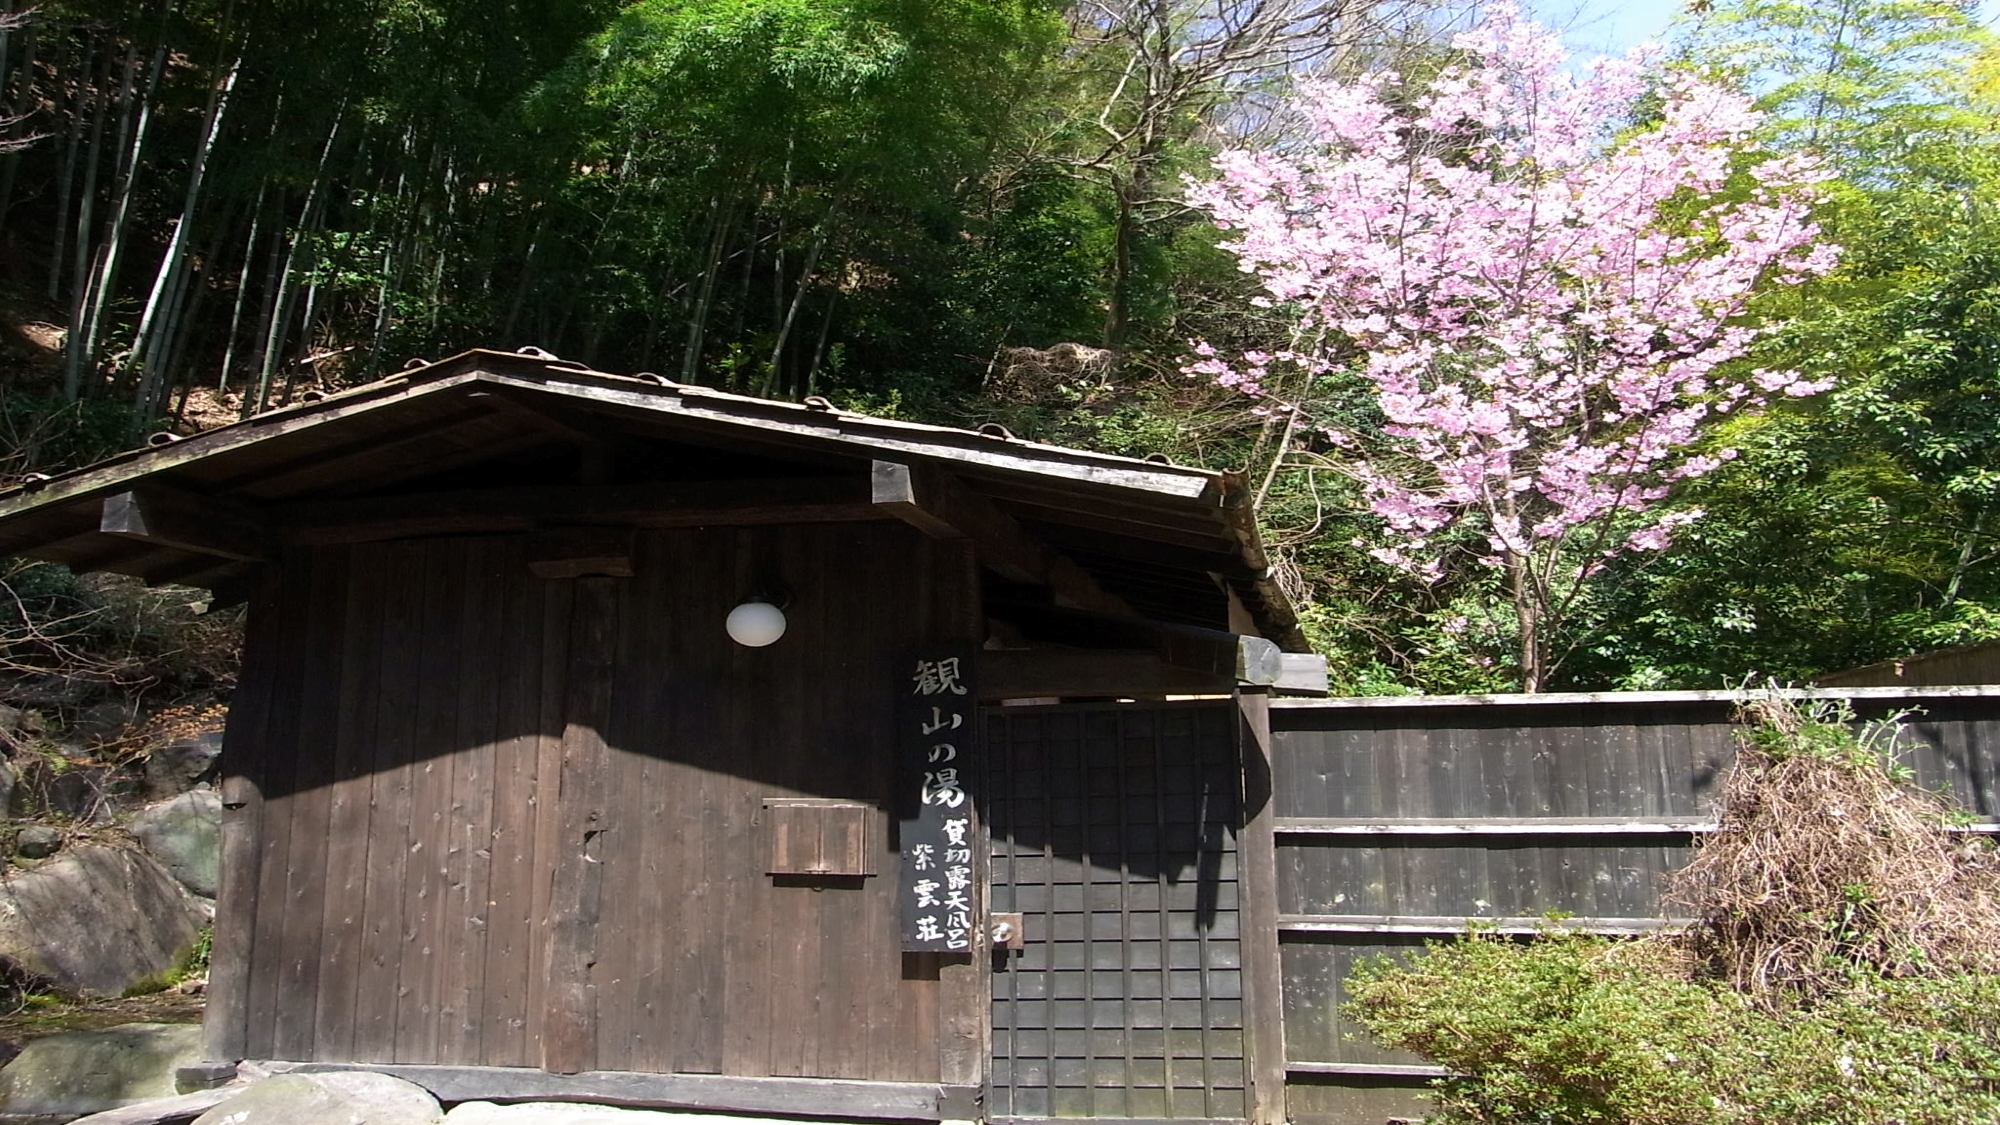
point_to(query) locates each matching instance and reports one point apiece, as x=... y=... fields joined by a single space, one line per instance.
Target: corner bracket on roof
x=187 y=521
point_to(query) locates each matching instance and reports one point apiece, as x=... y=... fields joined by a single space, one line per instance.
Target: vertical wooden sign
x=937 y=755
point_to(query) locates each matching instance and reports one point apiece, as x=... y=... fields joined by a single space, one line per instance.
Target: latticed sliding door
x=1113 y=834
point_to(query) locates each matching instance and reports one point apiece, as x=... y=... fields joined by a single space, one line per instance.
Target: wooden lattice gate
x=1113 y=833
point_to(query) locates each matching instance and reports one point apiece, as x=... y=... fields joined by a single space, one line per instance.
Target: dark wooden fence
x=1401 y=820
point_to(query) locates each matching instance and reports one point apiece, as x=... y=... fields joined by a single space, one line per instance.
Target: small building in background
x=1963 y=664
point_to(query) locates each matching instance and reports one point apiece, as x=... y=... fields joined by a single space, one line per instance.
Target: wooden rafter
x=495 y=510
x=168 y=517
x=937 y=504
x=1243 y=659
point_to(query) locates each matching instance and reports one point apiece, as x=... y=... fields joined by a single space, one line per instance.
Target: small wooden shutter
x=818 y=837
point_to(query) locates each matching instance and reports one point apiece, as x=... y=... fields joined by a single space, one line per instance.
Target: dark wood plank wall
x=481 y=818
x=1113 y=832
x=1396 y=824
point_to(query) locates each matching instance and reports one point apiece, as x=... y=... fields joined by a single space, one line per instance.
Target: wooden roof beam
x=1027 y=673
x=937 y=504
x=1244 y=659
x=673 y=504
x=168 y=517
x=593 y=449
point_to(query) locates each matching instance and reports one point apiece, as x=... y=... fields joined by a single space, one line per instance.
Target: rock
x=185 y=834
x=88 y=793
x=165 y=1111
x=204 y=1076
x=37 y=841
x=566 y=1113
x=173 y=768
x=83 y=1072
x=7 y=781
x=96 y=920
x=348 y=1097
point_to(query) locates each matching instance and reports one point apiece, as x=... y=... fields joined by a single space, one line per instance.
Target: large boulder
x=96 y=920
x=82 y=1072
x=349 y=1097
x=185 y=835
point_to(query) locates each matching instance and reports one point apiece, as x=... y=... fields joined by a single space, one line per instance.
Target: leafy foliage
x=1577 y=1029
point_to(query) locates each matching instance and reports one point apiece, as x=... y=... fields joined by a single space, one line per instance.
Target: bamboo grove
x=780 y=196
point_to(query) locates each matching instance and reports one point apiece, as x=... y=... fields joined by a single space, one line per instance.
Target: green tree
x=1862 y=526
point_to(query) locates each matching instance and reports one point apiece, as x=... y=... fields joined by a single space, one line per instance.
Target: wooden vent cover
x=810 y=836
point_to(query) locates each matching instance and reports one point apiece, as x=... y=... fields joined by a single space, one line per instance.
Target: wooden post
x=965 y=983
x=569 y=1018
x=226 y=1020
x=1257 y=851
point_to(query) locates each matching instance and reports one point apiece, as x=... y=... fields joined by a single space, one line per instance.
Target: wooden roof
x=492 y=441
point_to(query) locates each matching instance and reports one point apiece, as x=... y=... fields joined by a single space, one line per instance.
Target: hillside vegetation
x=978 y=210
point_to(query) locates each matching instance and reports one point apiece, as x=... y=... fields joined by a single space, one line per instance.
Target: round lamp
x=755 y=624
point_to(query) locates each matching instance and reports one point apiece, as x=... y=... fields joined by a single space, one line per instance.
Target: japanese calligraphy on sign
x=938 y=752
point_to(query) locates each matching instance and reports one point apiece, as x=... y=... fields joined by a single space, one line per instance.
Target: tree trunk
x=274 y=337
x=1965 y=555
x=145 y=348
x=1118 y=303
x=267 y=310
x=819 y=348
x=242 y=290
x=86 y=258
x=719 y=215
x=1527 y=610
x=18 y=113
x=772 y=381
x=121 y=212
x=67 y=177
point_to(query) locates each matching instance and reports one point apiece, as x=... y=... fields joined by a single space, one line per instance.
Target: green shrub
x=1577 y=1030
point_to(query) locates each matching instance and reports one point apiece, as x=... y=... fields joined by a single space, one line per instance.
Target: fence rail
x=1405 y=820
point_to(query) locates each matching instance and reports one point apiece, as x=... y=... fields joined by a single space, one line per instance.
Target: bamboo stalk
x=173 y=261
x=86 y=259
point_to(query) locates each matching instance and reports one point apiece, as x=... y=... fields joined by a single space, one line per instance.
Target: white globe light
x=755 y=624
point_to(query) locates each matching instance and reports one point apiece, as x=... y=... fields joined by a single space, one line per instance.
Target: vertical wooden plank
x=269 y=954
x=468 y=847
x=245 y=760
x=652 y=826
x=1257 y=885
x=794 y=991
x=347 y=814
x=746 y=944
x=510 y=922
x=554 y=604
x=965 y=985
x=569 y=1024
x=304 y=905
x=428 y=935
x=398 y=671
x=844 y=1026
x=695 y=959
x=618 y=930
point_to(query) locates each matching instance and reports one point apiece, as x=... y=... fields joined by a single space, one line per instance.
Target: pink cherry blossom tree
x=1547 y=307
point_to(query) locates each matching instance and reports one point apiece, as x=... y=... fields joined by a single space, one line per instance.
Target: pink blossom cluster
x=1549 y=310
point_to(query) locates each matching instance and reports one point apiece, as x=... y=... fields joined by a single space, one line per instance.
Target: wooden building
x=509 y=812
x=1977 y=663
